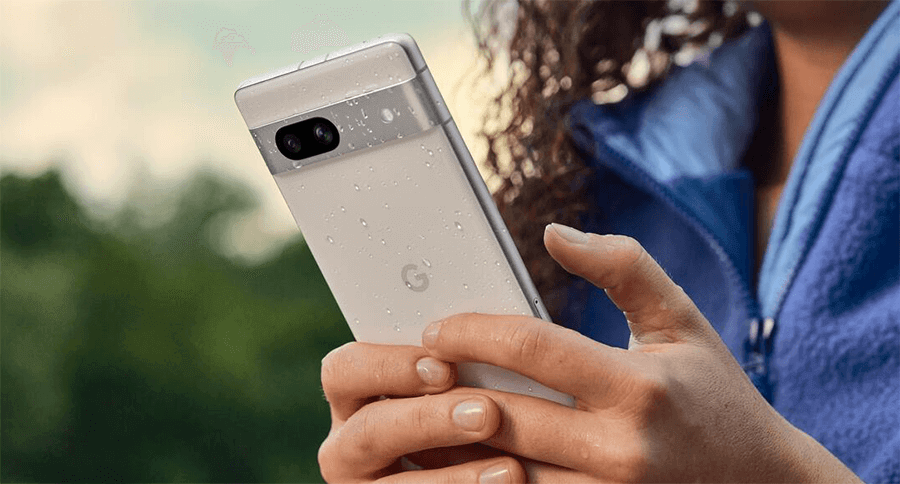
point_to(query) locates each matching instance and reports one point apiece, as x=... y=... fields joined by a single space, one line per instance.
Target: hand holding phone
x=388 y=198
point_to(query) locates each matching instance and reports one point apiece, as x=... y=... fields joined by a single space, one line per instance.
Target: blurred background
x=162 y=318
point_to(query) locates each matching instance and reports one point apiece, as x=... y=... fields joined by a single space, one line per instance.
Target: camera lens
x=323 y=133
x=292 y=143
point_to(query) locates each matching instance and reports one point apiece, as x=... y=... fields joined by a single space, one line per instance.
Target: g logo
x=421 y=279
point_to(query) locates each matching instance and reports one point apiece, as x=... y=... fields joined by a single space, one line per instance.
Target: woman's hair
x=560 y=52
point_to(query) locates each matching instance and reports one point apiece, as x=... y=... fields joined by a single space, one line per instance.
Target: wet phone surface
x=394 y=211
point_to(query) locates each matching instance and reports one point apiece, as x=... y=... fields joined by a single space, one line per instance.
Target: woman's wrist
x=807 y=461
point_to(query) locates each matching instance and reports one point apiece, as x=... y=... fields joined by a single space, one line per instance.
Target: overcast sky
x=129 y=95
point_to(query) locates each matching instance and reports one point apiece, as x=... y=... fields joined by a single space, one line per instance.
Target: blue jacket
x=820 y=332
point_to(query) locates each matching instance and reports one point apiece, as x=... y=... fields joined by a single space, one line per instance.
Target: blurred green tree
x=133 y=350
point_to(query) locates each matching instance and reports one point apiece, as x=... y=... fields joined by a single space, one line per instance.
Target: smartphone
x=388 y=198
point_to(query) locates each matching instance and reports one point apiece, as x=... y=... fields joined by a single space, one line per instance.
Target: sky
x=128 y=97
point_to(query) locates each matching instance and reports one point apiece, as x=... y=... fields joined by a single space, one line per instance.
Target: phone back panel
x=401 y=238
x=397 y=217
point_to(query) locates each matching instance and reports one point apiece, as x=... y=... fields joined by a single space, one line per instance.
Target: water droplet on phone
x=458 y=226
x=386 y=206
x=356 y=321
x=428 y=164
x=382 y=242
x=397 y=327
x=430 y=153
x=364 y=115
x=530 y=389
x=389 y=311
x=330 y=240
x=386 y=116
x=419 y=313
x=466 y=287
x=411 y=110
x=363 y=222
x=343 y=209
x=422 y=146
x=356 y=187
x=371 y=169
x=297 y=163
x=426 y=261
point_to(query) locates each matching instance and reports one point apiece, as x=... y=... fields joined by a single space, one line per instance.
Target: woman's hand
x=369 y=433
x=675 y=406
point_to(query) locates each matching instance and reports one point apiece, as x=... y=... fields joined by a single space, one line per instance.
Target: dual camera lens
x=307 y=138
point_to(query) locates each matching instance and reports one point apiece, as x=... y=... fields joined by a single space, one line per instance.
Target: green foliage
x=134 y=351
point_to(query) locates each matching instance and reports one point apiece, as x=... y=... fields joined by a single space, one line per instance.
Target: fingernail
x=497 y=474
x=572 y=235
x=469 y=415
x=432 y=371
x=429 y=337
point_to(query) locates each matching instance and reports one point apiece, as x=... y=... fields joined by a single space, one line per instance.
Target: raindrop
x=344 y=210
x=372 y=169
x=457 y=213
x=430 y=153
x=382 y=242
x=411 y=110
x=386 y=116
x=297 y=164
x=389 y=311
x=363 y=222
x=302 y=187
x=458 y=226
x=350 y=145
x=422 y=146
x=356 y=187
x=419 y=313
x=386 y=206
x=356 y=321
x=428 y=164
x=530 y=389
x=426 y=261
x=408 y=247
x=397 y=327
x=408 y=284
x=364 y=115
x=330 y=240
x=466 y=287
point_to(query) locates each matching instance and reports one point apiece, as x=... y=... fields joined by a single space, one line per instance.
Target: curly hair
x=559 y=52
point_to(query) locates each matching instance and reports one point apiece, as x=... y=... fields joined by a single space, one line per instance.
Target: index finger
x=557 y=357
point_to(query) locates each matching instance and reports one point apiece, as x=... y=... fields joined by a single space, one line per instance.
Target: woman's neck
x=812 y=41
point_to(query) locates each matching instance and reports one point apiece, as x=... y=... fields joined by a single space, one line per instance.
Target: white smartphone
x=388 y=198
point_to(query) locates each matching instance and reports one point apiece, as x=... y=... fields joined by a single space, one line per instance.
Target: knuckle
x=334 y=365
x=358 y=436
x=654 y=396
x=629 y=255
x=325 y=457
x=633 y=466
x=529 y=342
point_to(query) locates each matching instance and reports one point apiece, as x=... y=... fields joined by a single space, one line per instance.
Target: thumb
x=657 y=309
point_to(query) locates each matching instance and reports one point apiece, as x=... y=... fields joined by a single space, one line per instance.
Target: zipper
x=758 y=344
